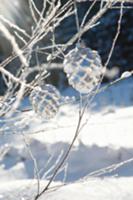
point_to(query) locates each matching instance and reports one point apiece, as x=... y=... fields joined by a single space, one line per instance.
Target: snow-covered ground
x=92 y=189
x=100 y=165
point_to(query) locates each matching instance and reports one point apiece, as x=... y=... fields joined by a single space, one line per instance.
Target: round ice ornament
x=84 y=68
x=45 y=101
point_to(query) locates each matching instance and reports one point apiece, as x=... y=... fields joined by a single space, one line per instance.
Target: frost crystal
x=84 y=68
x=126 y=74
x=45 y=101
x=6 y=105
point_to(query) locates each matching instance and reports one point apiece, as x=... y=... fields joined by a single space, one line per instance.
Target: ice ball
x=83 y=67
x=45 y=101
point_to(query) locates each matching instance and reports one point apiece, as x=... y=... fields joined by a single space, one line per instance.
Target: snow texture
x=105 y=141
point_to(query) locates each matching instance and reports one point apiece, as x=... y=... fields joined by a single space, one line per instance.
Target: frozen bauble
x=45 y=101
x=84 y=68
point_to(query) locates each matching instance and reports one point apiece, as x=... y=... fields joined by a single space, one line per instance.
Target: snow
x=100 y=164
x=98 y=189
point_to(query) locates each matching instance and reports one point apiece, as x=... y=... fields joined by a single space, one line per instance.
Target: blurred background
x=99 y=38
